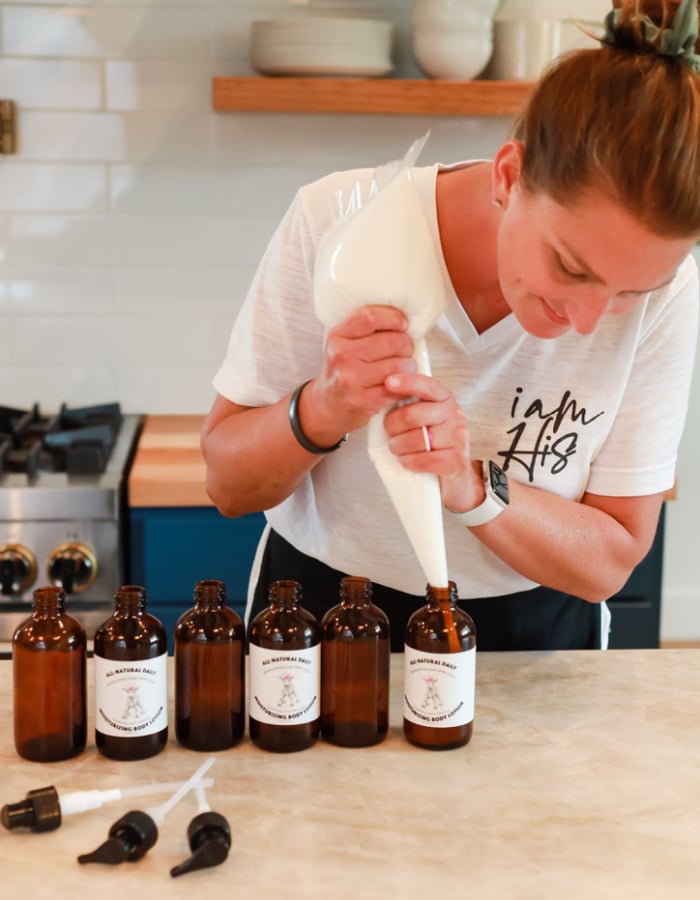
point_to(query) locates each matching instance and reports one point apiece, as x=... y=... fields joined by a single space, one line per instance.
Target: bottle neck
x=209 y=595
x=355 y=591
x=284 y=595
x=130 y=600
x=443 y=597
x=49 y=601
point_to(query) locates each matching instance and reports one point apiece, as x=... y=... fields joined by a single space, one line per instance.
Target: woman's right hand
x=359 y=354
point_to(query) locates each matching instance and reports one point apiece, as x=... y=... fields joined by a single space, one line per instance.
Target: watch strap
x=491 y=506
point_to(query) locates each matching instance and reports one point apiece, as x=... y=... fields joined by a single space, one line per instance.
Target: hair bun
x=629 y=28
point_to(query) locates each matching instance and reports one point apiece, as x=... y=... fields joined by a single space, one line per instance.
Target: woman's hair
x=623 y=119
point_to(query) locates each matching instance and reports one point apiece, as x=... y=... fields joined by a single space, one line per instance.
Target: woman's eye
x=577 y=276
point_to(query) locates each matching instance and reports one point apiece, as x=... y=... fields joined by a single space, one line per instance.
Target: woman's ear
x=507 y=165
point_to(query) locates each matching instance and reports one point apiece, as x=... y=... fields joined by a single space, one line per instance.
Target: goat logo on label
x=432 y=697
x=288 y=695
x=133 y=706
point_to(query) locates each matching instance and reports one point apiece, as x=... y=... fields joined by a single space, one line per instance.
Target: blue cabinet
x=636 y=610
x=171 y=548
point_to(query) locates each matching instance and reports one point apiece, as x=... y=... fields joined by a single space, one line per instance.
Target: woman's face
x=563 y=268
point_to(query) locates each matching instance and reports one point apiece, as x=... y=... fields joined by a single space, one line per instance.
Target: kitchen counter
x=581 y=780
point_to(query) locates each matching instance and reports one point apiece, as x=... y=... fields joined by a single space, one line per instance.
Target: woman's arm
x=253 y=459
x=586 y=548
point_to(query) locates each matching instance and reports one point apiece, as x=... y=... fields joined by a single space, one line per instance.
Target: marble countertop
x=582 y=779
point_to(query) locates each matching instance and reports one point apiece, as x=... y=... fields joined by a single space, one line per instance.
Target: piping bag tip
x=416 y=498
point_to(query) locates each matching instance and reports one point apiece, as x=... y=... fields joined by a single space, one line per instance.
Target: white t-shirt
x=602 y=412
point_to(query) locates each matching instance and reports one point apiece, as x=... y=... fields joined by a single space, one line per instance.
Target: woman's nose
x=588 y=307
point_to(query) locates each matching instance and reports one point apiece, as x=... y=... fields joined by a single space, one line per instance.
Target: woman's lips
x=552 y=315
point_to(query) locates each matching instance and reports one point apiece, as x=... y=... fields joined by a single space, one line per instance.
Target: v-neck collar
x=507 y=328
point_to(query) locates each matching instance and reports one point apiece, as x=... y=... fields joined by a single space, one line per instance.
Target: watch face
x=499 y=482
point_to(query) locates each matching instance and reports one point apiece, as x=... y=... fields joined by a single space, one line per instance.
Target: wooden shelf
x=398 y=96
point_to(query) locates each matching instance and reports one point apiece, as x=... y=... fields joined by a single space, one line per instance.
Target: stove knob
x=72 y=567
x=17 y=569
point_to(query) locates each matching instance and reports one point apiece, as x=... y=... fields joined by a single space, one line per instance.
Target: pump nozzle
x=130 y=838
x=209 y=837
x=43 y=809
x=40 y=811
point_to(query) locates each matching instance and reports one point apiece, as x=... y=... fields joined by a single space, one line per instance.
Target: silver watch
x=496 y=500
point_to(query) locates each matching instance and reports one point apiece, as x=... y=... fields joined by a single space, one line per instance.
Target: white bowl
x=322 y=30
x=452 y=55
x=452 y=13
x=321 y=45
x=310 y=59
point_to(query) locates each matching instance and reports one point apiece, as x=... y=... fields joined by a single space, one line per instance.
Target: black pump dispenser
x=209 y=837
x=39 y=811
x=130 y=838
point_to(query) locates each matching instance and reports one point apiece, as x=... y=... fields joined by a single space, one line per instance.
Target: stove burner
x=77 y=441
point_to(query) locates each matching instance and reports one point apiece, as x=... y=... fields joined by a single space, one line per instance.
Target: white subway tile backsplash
x=42 y=187
x=52 y=83
x=166 y=341
x=29 y=291
x=158 y=240
x=77 y=385
x=7 y=340
x=164 y=137
x=66 y=240
x=115 y=341
x=165 y=390
x=146 y=85
x=180 y=290
x=339 y=142
x=72 y=136
x=81 y=340
x=131 y=32
x=206 y=190
x=4 y=238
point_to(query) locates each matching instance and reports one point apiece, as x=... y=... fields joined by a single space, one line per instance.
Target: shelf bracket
x=8 y=127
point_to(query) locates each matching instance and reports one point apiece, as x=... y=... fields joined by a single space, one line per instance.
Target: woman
x=564 y=357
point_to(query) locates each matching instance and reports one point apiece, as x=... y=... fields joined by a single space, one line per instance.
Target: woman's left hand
x=431 y=434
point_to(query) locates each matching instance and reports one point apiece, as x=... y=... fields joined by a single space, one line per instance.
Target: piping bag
x=381 y=251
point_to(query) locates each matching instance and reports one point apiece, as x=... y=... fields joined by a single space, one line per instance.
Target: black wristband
x=296 y=426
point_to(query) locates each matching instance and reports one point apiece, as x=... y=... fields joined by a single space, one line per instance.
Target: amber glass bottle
x=49 y=652
x=355 y=668
x=209 y=671
x=439 y=673
x=131 y=687
x=284 y=672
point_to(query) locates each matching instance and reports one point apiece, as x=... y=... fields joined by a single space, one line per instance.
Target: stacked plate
x=321 y=45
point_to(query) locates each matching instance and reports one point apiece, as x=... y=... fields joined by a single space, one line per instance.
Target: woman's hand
x=430 y=434
x=359 y=354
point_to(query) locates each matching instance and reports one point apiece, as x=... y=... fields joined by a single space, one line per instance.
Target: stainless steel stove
x=63 y=481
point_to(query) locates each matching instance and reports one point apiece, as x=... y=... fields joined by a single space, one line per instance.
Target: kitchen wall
x=132 y=218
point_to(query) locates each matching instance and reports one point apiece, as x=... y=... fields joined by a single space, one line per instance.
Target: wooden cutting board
x=168 y=469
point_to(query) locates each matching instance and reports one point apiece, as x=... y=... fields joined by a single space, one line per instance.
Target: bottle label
x=285 y=686
x=131 y=696
x=439 y=687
